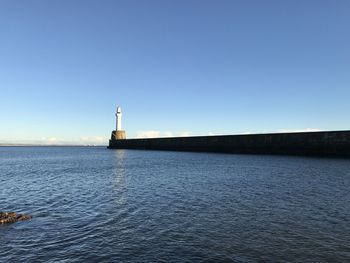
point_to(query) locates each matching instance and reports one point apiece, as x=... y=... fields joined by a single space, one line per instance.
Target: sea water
x=90 y=204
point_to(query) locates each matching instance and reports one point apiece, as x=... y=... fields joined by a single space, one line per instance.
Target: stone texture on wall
x=118 y=135
x=330 y=143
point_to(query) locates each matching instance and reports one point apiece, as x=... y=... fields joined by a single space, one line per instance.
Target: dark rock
x=12 y=217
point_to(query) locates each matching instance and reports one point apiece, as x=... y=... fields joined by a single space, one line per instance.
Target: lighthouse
x=118 y=115
x=118 y=134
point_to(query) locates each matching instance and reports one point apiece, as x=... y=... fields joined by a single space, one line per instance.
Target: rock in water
x=12 y=217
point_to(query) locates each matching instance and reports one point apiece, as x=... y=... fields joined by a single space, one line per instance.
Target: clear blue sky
x=175 y=67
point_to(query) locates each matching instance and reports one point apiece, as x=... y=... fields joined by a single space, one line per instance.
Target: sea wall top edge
x=245 y=135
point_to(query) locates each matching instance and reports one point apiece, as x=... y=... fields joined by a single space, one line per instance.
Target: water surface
x=91 y=204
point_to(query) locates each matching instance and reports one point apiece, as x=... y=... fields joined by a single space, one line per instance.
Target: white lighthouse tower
x=118 y=134
x=118 y=115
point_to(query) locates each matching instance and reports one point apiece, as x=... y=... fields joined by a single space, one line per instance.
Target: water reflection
x=119 y=177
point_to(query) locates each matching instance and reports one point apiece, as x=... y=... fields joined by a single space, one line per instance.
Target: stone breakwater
x=12 y=217
x=328 y=143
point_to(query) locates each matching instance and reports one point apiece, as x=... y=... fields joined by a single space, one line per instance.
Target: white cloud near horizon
x=299 y=130
x=94 y=139
x=159 y=134
x=103 y=140
x=85 y=140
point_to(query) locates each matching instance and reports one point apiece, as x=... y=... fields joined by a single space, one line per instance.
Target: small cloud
x=85 y=140
x=184 y=134
x=168 y=134
x=300 y=130
x=94 y=140
x=52 y=141
x=246 y=133
x=148 y=134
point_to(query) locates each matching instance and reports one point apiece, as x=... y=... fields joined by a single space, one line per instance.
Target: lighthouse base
x=118 y=135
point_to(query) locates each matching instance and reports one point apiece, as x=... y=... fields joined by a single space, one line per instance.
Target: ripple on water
x=97 y=205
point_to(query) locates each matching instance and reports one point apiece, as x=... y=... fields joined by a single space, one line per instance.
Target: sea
x=91 y=204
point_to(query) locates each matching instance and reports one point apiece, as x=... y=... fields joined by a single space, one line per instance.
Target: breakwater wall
x=328 y=143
